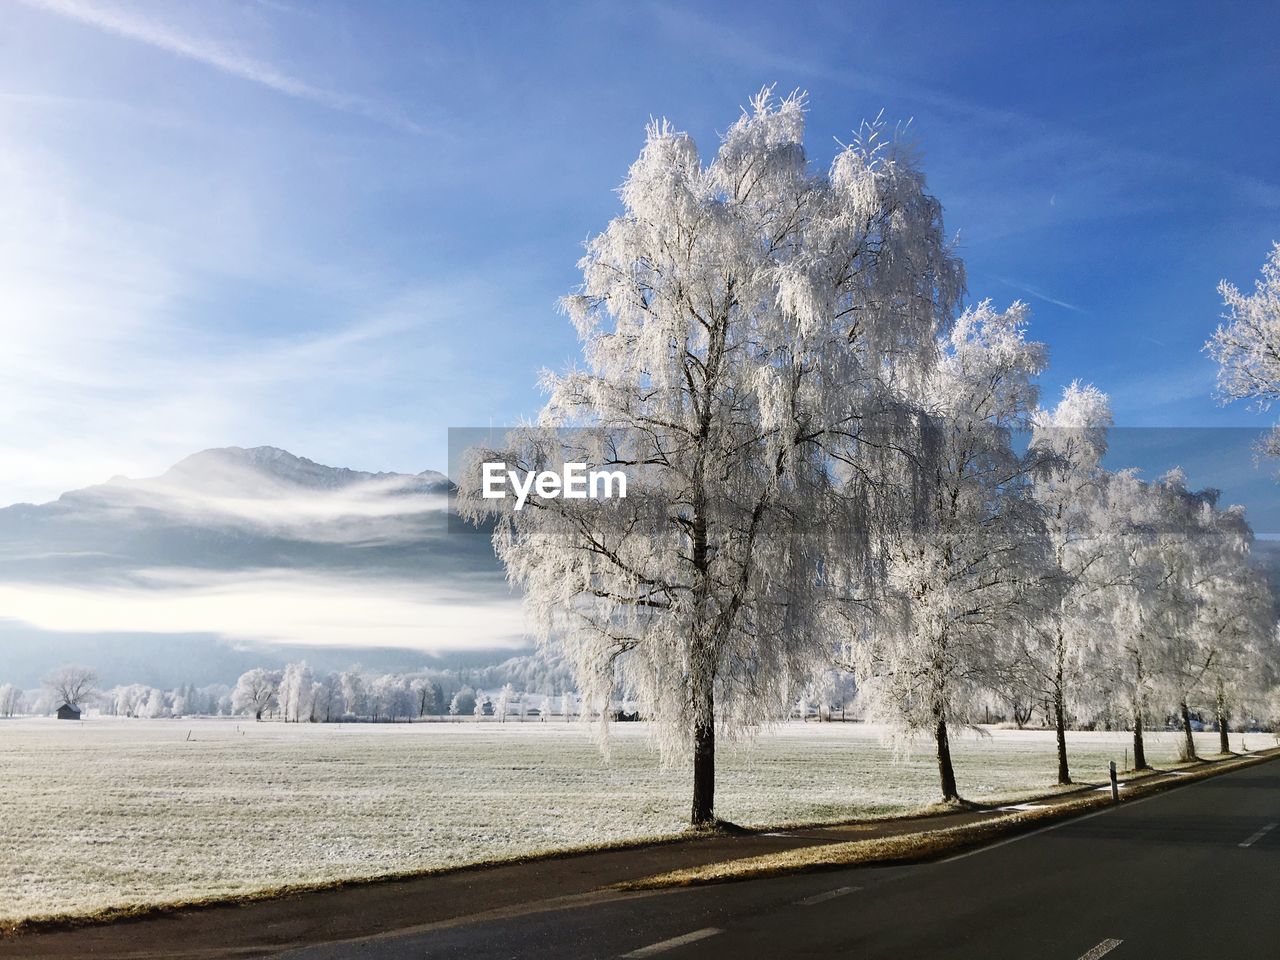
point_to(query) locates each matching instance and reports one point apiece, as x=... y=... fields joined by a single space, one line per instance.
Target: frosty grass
x=117 y=812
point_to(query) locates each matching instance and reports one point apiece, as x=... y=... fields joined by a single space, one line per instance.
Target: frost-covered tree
x=295 y=693
x=1155 y=654
x=481 y=701
x=804 y=706
x=502 y=705
x=11 y=698
x=72 y=684
x=1127 y=655
x=153 y=707
x=567 y=705
x=747 y=326
x=973 y=569
x=390 y=698
x=1193 y=541
x=255 y=692
x=353 y=692
x=184 y=701
x=1236 y=620
x=463 y=702
x=1069 y=443
x=1217 y=610
x=429 y=696
x=1247 y=345
x=327 y=701
x=128 y=700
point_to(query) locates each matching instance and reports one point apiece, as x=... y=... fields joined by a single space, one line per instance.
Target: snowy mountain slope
x=233 y=508
x=255 y=546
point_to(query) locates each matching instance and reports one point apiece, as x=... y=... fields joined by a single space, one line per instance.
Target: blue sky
x=341 y=228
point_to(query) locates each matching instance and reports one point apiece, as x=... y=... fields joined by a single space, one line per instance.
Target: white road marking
x=828 y=895
x=1107 y=789
x=1259 y=835
x=1025 y=806
x=656 y=948
x=1102 y=949
x=776 y=833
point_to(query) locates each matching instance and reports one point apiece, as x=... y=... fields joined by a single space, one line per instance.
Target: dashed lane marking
x=656 y=948
x=1259 y=835
x=1102 y=949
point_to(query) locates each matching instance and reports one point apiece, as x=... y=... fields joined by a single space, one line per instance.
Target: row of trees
x=296 y=693
x=824 y=470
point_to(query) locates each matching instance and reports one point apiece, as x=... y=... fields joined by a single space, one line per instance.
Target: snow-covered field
x=113 y=812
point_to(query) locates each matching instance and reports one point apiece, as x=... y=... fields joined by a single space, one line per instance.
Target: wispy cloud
x=161 y=36
x=1040 y=294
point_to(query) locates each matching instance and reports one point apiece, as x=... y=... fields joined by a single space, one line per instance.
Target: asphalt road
x=1190 y=873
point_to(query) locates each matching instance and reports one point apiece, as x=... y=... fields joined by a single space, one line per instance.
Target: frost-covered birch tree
x=1123 y=656
x=1237 y=621
x=1247 y=345
x=746 y=324
x=1068 y=443
x=1198 y=554
x=974 y=569
x=1219 y=610
x=294 y=692
x=1155 y=652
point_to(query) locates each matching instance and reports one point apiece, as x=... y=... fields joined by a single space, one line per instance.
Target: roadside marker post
x=1115 y=788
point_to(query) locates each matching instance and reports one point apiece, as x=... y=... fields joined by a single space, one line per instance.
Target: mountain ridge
x=255 y=546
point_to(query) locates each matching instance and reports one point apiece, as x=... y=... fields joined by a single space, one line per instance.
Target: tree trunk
x=1060 y=719
x=1224 y=742
x=1139 y=755
x=946 y=772
x=258 y=715
x=704 y=716
x=1060 y=707
x=1186 y=730
x=704 y=758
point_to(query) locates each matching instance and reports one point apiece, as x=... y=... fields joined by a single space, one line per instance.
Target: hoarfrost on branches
x=973 y=569
x=1247 y=346
x=748 y=327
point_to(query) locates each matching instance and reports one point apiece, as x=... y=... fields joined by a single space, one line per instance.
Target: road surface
x=1191 y=872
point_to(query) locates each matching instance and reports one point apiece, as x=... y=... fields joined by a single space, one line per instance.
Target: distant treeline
x=296 y=693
